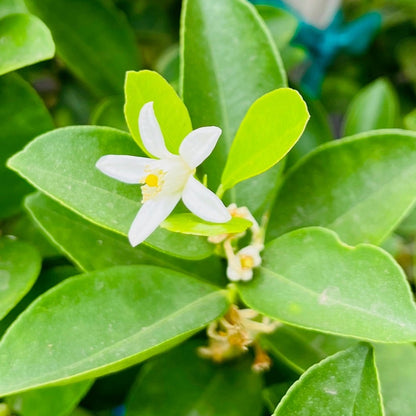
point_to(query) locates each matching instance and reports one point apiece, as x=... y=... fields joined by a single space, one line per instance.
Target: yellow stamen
x=247 y=262
x=152 y=180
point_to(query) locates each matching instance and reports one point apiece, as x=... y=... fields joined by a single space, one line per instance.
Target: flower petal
x=204 y=203
x=233 y=274
x=128 y=169
x=150 y=132
x=150 y=215
x=199 y=144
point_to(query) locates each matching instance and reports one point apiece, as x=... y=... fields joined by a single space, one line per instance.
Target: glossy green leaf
x=93 y=248
x=22 y=117
x=93 y=38
x=68 y=174
x=195 y=386
x=12 y=6
x=349 y=185
x=128 y=314
x=228 y=61
x=309 y=278
x=109 y=112
x=281 y=24
x=48 y=278
x=375 y=107
x=19 y=267
x=171 y=113
x=344 y=384
x=191 y=224
x=271 y=127
x=24 y=40
x=397 y=368
x=56 y=401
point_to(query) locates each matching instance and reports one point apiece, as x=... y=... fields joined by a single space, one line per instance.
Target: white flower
x=241 y=265
x=318 y=13
x=167 y=179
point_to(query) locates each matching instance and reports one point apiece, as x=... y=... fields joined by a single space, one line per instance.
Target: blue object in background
x=119 y=410
x=324 y=44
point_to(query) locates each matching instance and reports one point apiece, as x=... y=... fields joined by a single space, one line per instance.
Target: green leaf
x=56 y=401
x=397 y=369
x=171 y=113
x=191 y=224
x=348 y=186
x=24 y=40
x=195 y=386
x=281 y=24
x=309 y=278
x=19 y=267
x=271 y=127
x=93 y=248
x=109 y=112
x=22 y=117
x=228 y=61
x=317 y=132
x=68 y=174
x=410 y=120
x=344 y=384
x=299 y=349
x=375 y=107
x=274 y=393
x=93 y=38
x=128 y=314
x=12 y=6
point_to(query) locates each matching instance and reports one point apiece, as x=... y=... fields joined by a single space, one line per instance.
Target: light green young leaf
x=93 y=248
x=24 y=40
x=56 y=401
x=375 y=107
x=128 y=314
x=348 y=186
x=19 y=267
x=22 y=117
x=171 y=113
x=191 y=224
x=195 y=386
x=68 y=174
x=271 y=127
x=228 y=61
x=309 y=278
x=344 y=384
x=93 y=38
x=12 y=6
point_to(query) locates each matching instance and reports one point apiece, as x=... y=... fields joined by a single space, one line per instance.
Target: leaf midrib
x=122 y=342
x=316 y=295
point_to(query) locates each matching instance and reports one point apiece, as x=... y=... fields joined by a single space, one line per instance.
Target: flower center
x=152 y=183
x=152 y=180
x=247 y=262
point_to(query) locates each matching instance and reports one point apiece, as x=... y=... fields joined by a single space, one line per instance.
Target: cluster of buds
x=242 y=262
x=234 y=333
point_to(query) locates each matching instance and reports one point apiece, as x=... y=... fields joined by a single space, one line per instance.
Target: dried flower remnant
x=232 y=335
